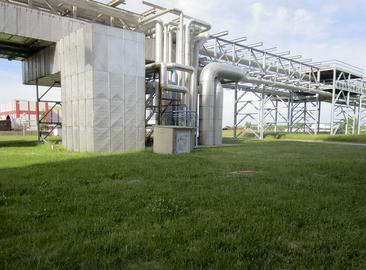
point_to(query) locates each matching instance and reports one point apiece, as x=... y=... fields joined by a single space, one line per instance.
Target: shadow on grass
x=18 y=143
x=105 y=211
x=73 y=206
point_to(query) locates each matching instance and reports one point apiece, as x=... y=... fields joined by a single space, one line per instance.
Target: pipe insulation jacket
x=159 y=40
x=210 y=123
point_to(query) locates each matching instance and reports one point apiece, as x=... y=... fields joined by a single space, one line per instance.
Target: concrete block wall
x=103 y=89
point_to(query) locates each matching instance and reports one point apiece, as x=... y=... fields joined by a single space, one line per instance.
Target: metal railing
x=180 y=118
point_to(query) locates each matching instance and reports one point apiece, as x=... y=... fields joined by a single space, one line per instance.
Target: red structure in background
x=25 y=112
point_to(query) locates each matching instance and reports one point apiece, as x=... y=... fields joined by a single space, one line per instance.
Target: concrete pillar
x=103 y=89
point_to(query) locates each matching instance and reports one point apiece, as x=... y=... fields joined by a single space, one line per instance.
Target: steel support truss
x=45 y=124
x=261 y=63
x=361 y=117
x=346 y=106
x=258 y=110
x=304 y=115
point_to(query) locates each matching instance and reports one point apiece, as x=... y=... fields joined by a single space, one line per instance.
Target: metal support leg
x=354 y=120
x=348 y=108
x=359 y=117
x=319 y=114
x=305 y=115
x=276 y=116
x=236 y=111
x=289 y=114
x=333 y=103
x=37 y=113
x=261 y=116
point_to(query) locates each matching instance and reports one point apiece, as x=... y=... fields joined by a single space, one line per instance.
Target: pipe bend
x=217 y=71
x=221 y=71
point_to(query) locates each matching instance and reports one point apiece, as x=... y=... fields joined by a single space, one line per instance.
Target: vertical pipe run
x=170 y=44
x=218 y=112
x=188 y=80
x=166 y=42
x=159 y=41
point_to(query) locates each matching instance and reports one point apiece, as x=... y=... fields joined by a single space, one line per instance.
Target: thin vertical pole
x=347 y=115
x=159 y=97
x=236 y=111
x=261 y=120
x=354 y=120
x=289 y=113
x=37 y=113
x=305 y=114
x=276 y=115
x=333 y=103
x=359 y=117
x=319 y=103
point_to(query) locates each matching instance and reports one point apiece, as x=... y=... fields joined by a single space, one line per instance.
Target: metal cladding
x=104 y=57
x=102 y=73
x=211 y=102
x=103 y=95
x=32 y=23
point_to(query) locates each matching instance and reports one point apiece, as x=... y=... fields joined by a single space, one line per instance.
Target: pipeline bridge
x=121 y=73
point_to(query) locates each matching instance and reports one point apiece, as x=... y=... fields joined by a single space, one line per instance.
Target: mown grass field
x=255 y=205
x=319 y=137
x=326 y=137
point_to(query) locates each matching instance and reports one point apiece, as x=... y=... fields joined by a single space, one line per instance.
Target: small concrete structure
x=173 y=140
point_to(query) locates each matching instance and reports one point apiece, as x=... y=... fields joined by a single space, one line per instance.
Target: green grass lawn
x=228 y=134
x=326 y=137
x=257 y=205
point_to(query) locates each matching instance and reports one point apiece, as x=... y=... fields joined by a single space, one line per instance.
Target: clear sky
x=317 y=29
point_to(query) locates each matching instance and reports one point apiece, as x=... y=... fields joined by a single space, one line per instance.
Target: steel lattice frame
x=344 y=107
x=362 y=115
x=255 y=104
x=261 y=63
x=305 y=116
x=45 y=127
x=268 y=111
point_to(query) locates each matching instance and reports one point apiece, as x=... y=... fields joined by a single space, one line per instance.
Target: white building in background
x=23 y=113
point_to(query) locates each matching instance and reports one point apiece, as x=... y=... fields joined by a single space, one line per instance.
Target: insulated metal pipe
x=159 y=41
x=212 y=74
x=210 y=77
x=166 y=44
x=198 y=43
x=246 y=62
x=164 y=82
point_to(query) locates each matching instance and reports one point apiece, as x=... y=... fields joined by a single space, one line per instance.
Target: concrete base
x=173 y=140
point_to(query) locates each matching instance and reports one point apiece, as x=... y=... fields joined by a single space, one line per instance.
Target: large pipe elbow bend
x=217 y=71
